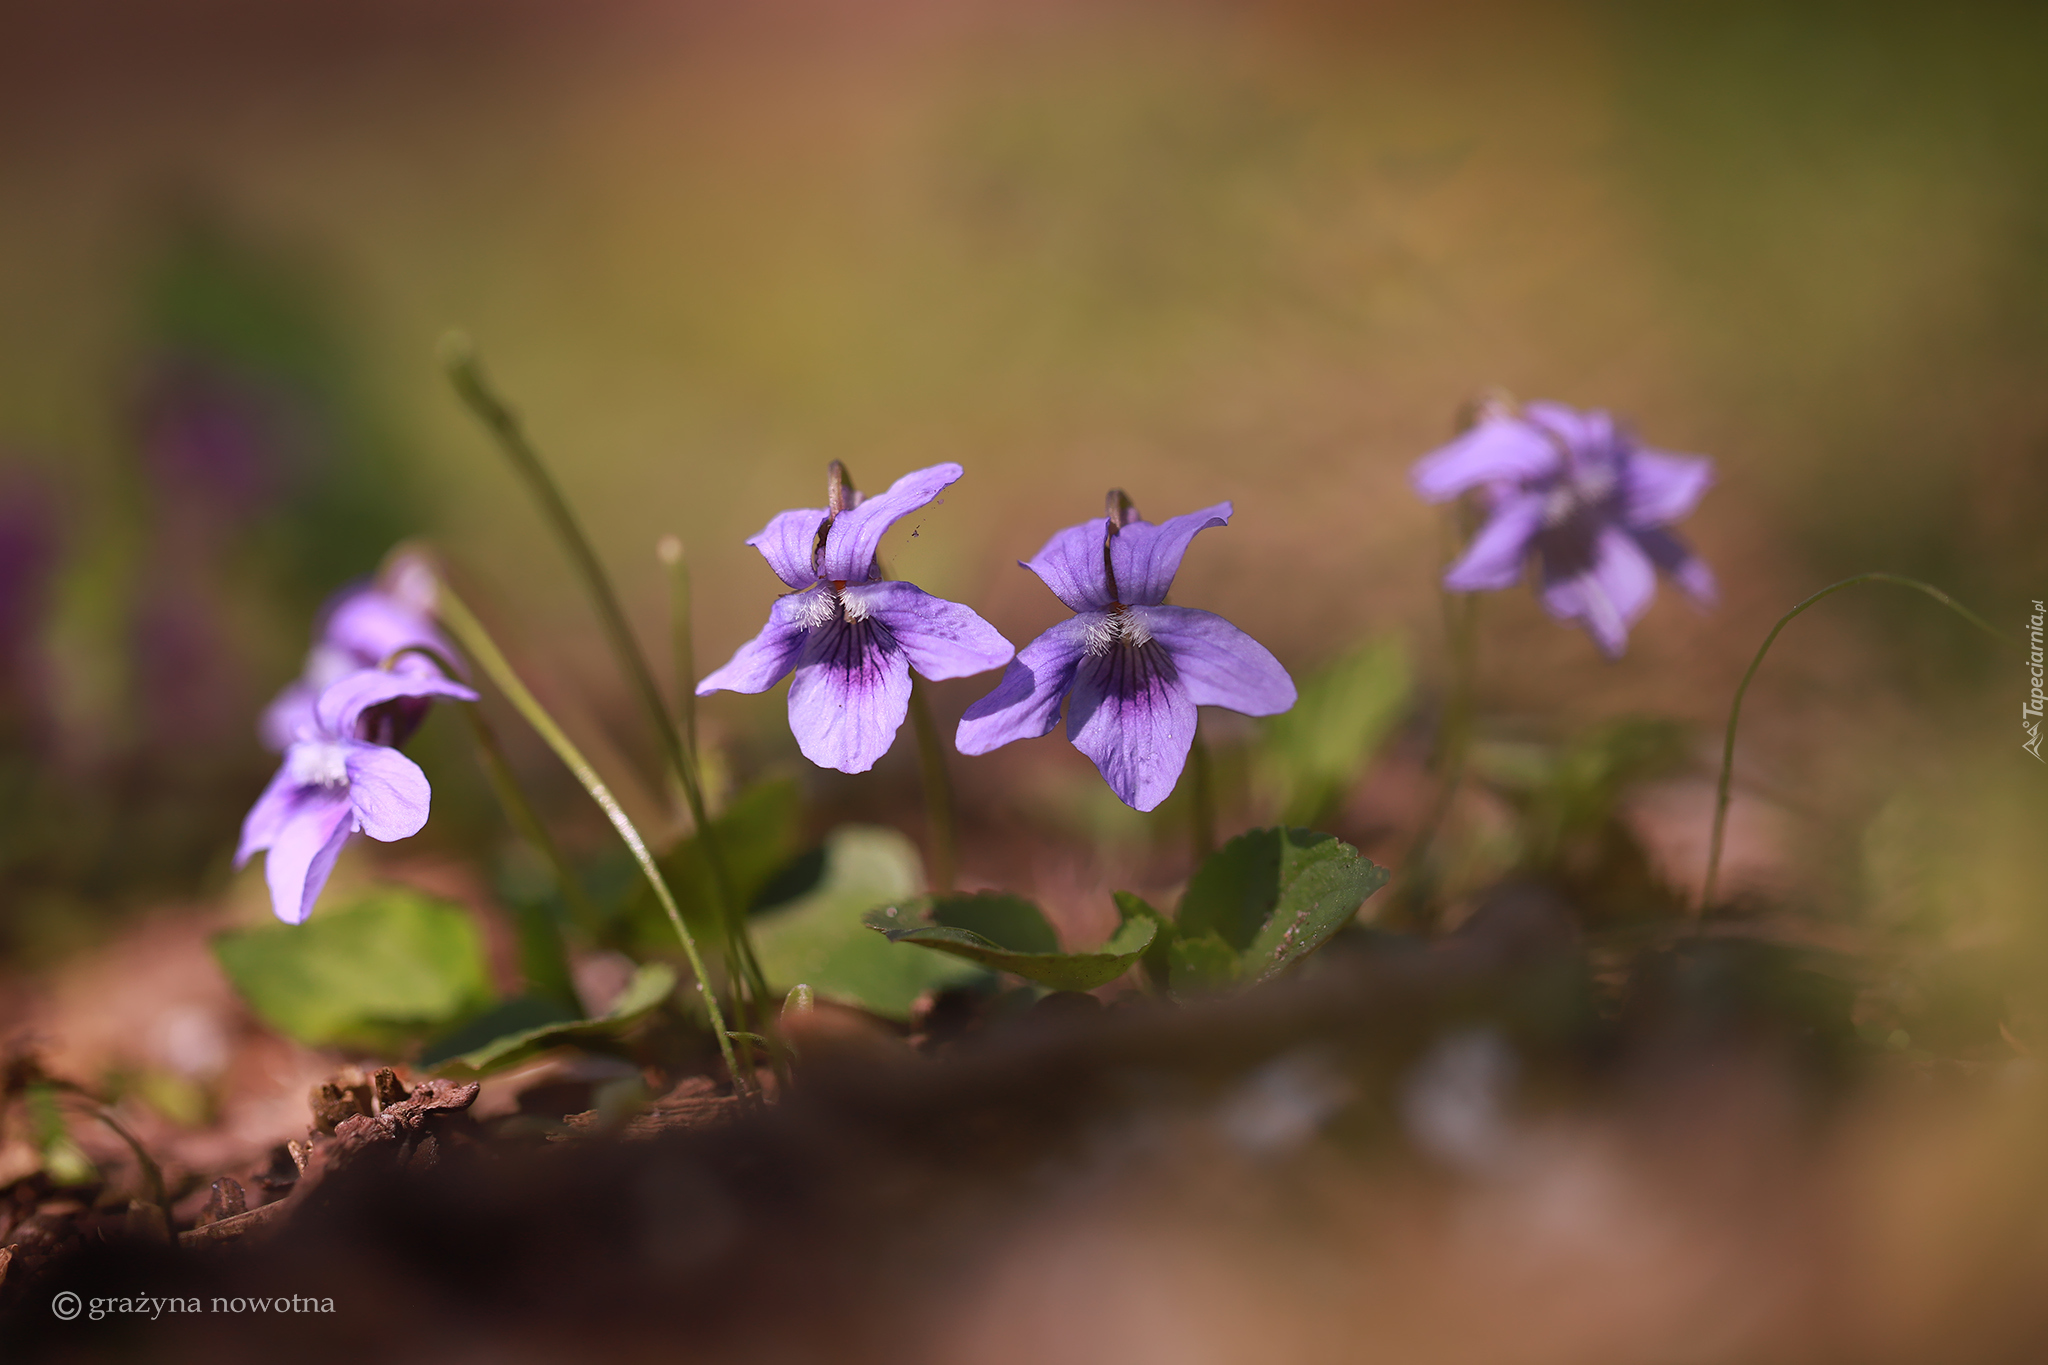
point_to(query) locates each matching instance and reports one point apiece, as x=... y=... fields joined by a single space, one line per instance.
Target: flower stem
x=1202 y=794
x=682 y=646
x=940 y=852
x=1735 y=709
x=470 y=633
x=458 y=356
x=1454 y=726
x=542 y=960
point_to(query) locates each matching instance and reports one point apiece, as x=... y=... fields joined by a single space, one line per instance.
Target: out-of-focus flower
x=361 y=628
x=340 y=775
x=1574 y=490
x=850 y=636
x=1135 y=668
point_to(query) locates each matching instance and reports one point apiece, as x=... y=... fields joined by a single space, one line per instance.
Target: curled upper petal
x=1146 y=556
x=856 y=533
x=1071 y=565
x=1496 y=450
x=303 y=854
x=1676 y=558
x=790 y=543
x=1135 y=719
x=1217 y=663
x=1606 y=592
x=766 y=659
x=849 y=695
x=941 y=639
x=343 y=703
x=1658 y=489
x=372 y=624
x=1026 y=703
x=1495 y=557
x=388 y=791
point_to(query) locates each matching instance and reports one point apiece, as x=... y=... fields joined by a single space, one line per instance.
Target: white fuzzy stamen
x=317 y=763
x=1114 y=627
x=815 y=606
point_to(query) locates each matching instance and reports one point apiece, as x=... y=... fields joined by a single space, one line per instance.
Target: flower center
x=1116 y=627
x=317 y=763
x=1584 y=486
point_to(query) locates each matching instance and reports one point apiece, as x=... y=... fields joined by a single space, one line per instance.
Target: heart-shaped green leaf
x=939 y=923
x=375 y=974
x=1276 y=895
x=651 y=984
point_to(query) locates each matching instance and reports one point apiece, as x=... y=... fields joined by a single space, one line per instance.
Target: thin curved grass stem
x=476 y=641
x=1714 y=844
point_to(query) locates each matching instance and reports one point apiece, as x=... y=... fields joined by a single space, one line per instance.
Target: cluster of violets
x=1568 y=491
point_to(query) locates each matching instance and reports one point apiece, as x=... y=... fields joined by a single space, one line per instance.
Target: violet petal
x=849 y=695
x=1676 y=558
x=766 y=659
x=856 y=534
x=1146 y=556
x=1497 y=450
x=1026 y=703
x=941 y=639
x=268 y=817
x=1218 y=664
x=343 y=703
x=1607 y=595
x=1133 y=717
x=299 y=861
x=1495 y=557
x=389 y=792
x=1070 y=564
x=1659 y=489
x=789 y=544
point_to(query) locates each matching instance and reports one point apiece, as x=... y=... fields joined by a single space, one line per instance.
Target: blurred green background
x=1201 y=251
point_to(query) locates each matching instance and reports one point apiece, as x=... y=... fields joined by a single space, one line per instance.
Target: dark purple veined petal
x=1146 y=557
x=1071 y=565
x=1497 y=450
x=1496 y=555
x=766 y=659
x=856 y=534
x=304 y=851
x=343 y=703
x=1134 y=718
x=1658 y=489
x=789 y=543
x=941 y=639
x=1218 y=664
x=1026 y=703
x=388 y=791
x=1676 y=558
x=849 y=694
x=1607 y=591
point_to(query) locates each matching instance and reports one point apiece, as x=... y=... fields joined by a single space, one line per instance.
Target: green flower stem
x=471 y=635
x=1454 y=728
x=941 y=853
x=1735 y=710
x=1202 y=791
x=682 y=645
x=458 y=356
x=542 y=960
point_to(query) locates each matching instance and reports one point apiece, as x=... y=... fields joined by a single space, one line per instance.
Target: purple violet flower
x=1135 y=668
x=340 y=775
x=850 y=636
x=360 y=628
x=1574 y=490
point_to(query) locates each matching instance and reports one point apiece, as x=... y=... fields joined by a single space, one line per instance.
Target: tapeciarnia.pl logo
x=2030 y=714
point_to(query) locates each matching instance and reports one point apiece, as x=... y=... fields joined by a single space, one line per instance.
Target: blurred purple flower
x=361 y=628
x=851 y=636
x=1135 y=668
x=340 y=775
x=1574 y=490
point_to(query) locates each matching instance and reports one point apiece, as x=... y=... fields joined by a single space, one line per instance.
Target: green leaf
x=1203 y=964
x=1275 y=895
x=817 y=938
x=937 y=922
x=757 y=833
x=1158 y=958
x=1316 y=751
x=375 y=974
x=651 y=984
